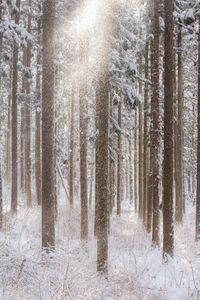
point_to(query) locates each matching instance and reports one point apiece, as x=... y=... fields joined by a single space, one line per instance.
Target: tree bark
x=38 y=166
x=179 y=165
x=14 y=187
x=71 y=159
x=155 y=119
x=48 y=128
x=168 y=225
x=145 y=136
x=198 y=150
x=27 y=121
x=119 y=162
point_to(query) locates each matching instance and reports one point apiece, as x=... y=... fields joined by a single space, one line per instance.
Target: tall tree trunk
x=48 y=128
x=112 y=163
x=8 y=141
x=1 y=102
x=140 y=183
x=140 y=132
x=102 y=161
x=71 y=159
x=136 y=163
x=179 y=171
x=27 y=119
x=38 y=168
x=14 y=187
x=119 y=162
x=168 y=227
x=145 y=136
x=102 y=152
x=198 y=150
x=131 y=167
x=22 y=127
x=155 y=119
x=150 y=167
x=83 y=147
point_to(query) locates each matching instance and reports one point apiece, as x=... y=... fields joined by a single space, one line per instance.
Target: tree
x=27 y=120
x=155 y=121
x=38 y=182
x=1 y=192
x=102 y=172
x=145 y=136
x=140 y=137
x=179 y=135
x=83 y=147
x=198 y=150
x=119 y=161
x=71 y=171
x=14 y=188
x=168 y=228
x=48 y=127
x=102 y=152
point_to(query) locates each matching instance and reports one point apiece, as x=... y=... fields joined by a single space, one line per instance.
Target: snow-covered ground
x=136 y=270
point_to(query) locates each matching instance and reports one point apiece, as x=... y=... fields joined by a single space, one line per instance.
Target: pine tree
x=155 y=121
x=14 y=188
x=38 y=169
x=168 y=227
x=48 y=128
x=198 y=150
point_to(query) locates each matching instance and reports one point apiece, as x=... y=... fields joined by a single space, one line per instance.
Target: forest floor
x=136 y=270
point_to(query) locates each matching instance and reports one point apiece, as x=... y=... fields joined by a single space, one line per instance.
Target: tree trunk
x=136 y=164
x=71 y=159
x=38 y=169
x=27 y=119
x=102 y=153
x=119 y=162
x=145 y=136
x=155 y=119
x=83 y=147
x=102 y=161
x=14 y=187
x=1 y=192
x=179 y=171
x=198 y=151
x=168 y=226
x=48 y=128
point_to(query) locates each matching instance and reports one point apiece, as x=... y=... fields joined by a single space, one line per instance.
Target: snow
x=136 y=270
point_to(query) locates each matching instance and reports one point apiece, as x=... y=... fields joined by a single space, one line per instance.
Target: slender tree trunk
x=38 y=166
x=27 y=119
x=198 y=150
x=14 y=187
x=83 y=151
x=102 y=153
x=1 y=192
x=48 y=128
x=131 y=168
x=91 y=183
x=136 y=164
x=22 y=128
x=119 y=162
x=145 y=136
x=151 y=161
x=179 y=172
x=102 y=161
x=168 y=226
x=71 y=159
x=140 y=132
x=112 y=163
x=140 y=161
x=8 y=141
x=156 y=129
